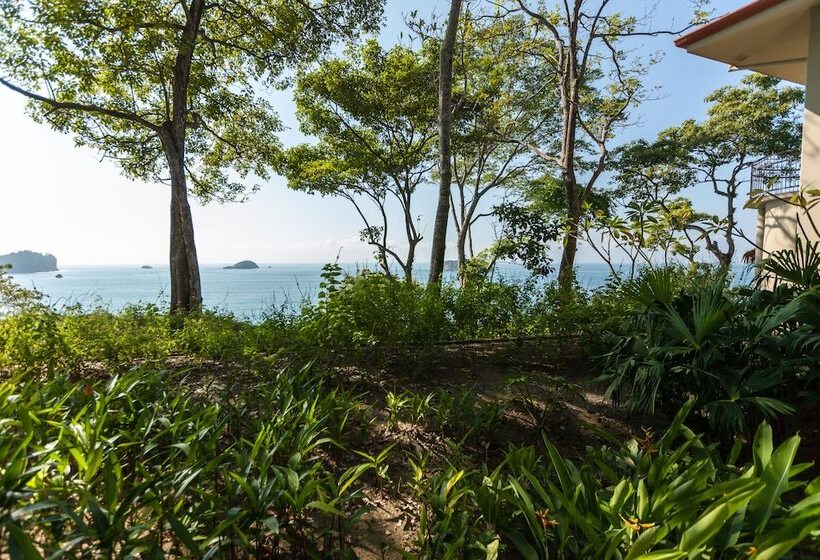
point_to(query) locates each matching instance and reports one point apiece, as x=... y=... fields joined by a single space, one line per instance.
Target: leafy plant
x=396 y=404
x=142 y=463
x=799 y=267
x=651 y=497
x=743 y=358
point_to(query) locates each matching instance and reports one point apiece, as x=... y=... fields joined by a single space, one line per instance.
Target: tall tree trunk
x=186 y=288
x=730 y=225
x=566 y=271
x=445 y=127
x=410 y=261
x=570 y=95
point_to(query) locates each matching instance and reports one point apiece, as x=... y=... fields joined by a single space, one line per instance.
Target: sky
x=68 y=201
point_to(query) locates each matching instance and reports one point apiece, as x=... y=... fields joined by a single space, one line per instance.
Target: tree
x=641 y=231
x=534 y=217
x=168 y=88
x=445 y=126
x=373 y=113
x=525 y=236
x=744 y=123
x=500 y=109
x=597 y=81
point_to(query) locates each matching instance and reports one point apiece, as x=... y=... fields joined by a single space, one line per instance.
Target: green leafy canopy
x=374 y=114
x=111 y=64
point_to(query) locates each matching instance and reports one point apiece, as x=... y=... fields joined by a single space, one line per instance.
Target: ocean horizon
x=248 y=294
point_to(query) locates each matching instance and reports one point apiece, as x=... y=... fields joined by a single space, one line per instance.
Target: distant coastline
x=29 y=262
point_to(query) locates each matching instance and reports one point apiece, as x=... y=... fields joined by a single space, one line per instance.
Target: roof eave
x=725 y=22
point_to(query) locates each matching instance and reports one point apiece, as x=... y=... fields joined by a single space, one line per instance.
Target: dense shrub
x=353 y=313
x=745 y=354
x=155 y=465
x=117 y=339
x=484 y=309
x=223 y=337
x=371 y=309
x=31 y=339
x=651 y=498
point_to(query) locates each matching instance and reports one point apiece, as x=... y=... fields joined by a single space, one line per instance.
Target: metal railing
x=776 y=174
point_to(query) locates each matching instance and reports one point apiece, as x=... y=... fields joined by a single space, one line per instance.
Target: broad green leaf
x=776 y=477
x=647 y=539
x=20 y=545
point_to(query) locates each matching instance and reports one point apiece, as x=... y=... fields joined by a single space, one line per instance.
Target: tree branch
x=82 y=107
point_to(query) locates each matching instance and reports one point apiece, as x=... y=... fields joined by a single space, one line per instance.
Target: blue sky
x=57 y=198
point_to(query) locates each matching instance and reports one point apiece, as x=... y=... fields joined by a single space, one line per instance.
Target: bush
x=134 y=334
x=744 y=354
x=140 y=466
x=484 y=309
x=31 y=340
x=649 y=498
x=222 y=337
x=372 y=309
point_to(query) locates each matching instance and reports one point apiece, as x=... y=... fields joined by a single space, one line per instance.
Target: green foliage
x=29 y=333
x=135 y=333
x=113 y=71
x=368 y=312
x=527 y=235
x=353 y=314
x=463 y=415
x=259 y=464
x=14 y=297
x=374 y=115
x=446 y=528
x=581 y=312
x=40 y=337
x=755 y=119
x=652 y=497
x=223 y=337
x=372 y=309
x=460 y=414
x=485 y=309
x=745 y=355
x=798 y=267
x=139 y=464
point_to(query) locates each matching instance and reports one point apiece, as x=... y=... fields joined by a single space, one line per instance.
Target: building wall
x=782 y=224
x=810 y=160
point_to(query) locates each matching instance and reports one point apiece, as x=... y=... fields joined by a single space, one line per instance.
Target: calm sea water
x=245 y=293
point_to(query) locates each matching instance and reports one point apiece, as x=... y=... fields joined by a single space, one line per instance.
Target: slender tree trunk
x=411 y=260
x=730 y=225
x=566 y=271
x=461 y=248
x=570 y=102
x=445 y=126
x=186 y=288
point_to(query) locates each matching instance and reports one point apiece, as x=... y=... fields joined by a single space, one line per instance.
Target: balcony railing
x=776 y=175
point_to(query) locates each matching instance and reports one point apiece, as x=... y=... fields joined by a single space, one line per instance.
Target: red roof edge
x=725 y=21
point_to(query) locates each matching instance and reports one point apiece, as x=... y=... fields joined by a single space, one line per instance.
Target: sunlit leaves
x=121 y=56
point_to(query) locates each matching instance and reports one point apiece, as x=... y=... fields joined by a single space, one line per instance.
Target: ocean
x=244 y=293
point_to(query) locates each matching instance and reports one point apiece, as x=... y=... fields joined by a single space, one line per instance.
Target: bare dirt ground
x=541 y=391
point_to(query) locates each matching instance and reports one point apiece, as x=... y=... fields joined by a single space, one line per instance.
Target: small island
x=26 y=262
x=146 y=267
x=242 y=265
